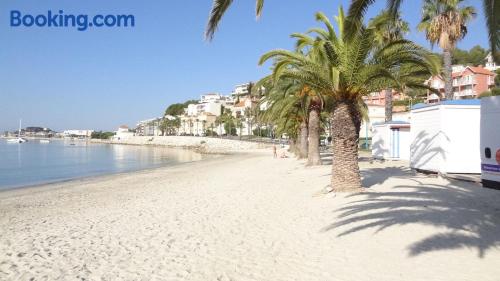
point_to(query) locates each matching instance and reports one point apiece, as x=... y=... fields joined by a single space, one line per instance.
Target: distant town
x=236 y=114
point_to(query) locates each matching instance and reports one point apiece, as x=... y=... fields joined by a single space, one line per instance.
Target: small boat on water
x=44 y=141
x=18 y=139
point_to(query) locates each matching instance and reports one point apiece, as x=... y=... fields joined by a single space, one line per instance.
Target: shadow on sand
x=373 y=176
x=469 y=214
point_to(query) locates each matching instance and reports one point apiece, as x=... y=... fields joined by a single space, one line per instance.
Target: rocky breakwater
x=200 y=144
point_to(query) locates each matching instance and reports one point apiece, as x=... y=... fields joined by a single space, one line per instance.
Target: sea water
x=33 y=162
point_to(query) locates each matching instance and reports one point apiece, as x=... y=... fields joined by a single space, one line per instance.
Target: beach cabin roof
x=448 y=102
x=393 y=124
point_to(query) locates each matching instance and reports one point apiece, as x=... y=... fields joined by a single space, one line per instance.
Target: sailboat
x=18 y=139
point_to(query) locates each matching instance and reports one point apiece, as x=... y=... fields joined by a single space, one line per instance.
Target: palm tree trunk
x=303 y=148
x=448 y=86
x=313 y=156
x=345 y=168
x=292 y=145
x=388 y=105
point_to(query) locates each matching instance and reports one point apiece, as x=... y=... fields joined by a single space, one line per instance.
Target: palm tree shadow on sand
x=469 y=213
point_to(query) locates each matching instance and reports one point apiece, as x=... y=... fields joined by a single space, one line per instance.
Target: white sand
x=251 y=218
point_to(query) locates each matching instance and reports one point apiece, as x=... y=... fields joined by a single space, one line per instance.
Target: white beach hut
x=391 y=140
x=445 y=137
x=490 y=142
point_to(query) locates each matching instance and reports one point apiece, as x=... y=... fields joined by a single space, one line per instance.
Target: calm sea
x=36 y=163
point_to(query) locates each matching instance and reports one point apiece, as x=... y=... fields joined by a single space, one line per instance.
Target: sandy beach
x=251 y=217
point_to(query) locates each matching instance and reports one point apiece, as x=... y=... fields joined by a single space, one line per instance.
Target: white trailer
x=391 y=140
x=490 y=142
x=445 y=137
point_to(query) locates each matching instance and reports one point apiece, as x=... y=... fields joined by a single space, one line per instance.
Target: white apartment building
x=123 y=133
x=490 y=63
x=240 y=90
x=198 y=125
x=213 y=108
x=149 y=127
x=212 y=97
x=209 y=103
x=78 y=133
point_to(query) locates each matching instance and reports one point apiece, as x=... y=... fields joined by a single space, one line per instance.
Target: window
x=487 y=152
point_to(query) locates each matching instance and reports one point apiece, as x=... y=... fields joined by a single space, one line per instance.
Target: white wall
x=462 y=142
x=404 y=143
x=388 y=142
x=425 y=147
x=445 y=139
x=212 y=107
x=380 y=143
x=376 y=114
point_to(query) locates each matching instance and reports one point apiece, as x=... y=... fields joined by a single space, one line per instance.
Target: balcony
x=464 y=93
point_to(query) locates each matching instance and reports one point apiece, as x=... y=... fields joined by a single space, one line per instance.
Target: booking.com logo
x=82 y=22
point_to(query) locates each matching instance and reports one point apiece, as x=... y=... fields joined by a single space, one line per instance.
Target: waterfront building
x=122 y=133
x=148 y=127
x=77 y=133
x=198 y=125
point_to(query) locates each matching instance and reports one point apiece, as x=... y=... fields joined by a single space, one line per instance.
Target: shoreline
x=205 y=151
x=67 y=183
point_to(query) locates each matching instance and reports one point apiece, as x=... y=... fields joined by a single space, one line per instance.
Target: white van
x=490 y=142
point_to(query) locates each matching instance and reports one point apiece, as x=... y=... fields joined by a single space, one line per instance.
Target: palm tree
x=212 y=130
x=345 y=67
x=163 y=126
x=204 y=127
x=358 y=9
x=388 y=29
x=311 y=101
x=287 y=108
x=197 y=122
x=491 y=10
x=444 y=23
x=239 y=125
x=248 y=117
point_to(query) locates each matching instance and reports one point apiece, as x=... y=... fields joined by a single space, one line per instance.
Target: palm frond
x=219 y=8
x=492 y=13
x=259 y=4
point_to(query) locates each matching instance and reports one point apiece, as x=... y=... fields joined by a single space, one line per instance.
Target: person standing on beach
x=275 y=154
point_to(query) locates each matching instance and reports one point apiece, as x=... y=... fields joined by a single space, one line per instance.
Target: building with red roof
x=468 y=82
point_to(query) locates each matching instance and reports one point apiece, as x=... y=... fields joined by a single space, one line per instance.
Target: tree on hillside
x=475 y=56
x=177 y=109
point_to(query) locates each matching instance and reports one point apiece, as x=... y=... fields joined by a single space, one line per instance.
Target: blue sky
x=101 y=78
